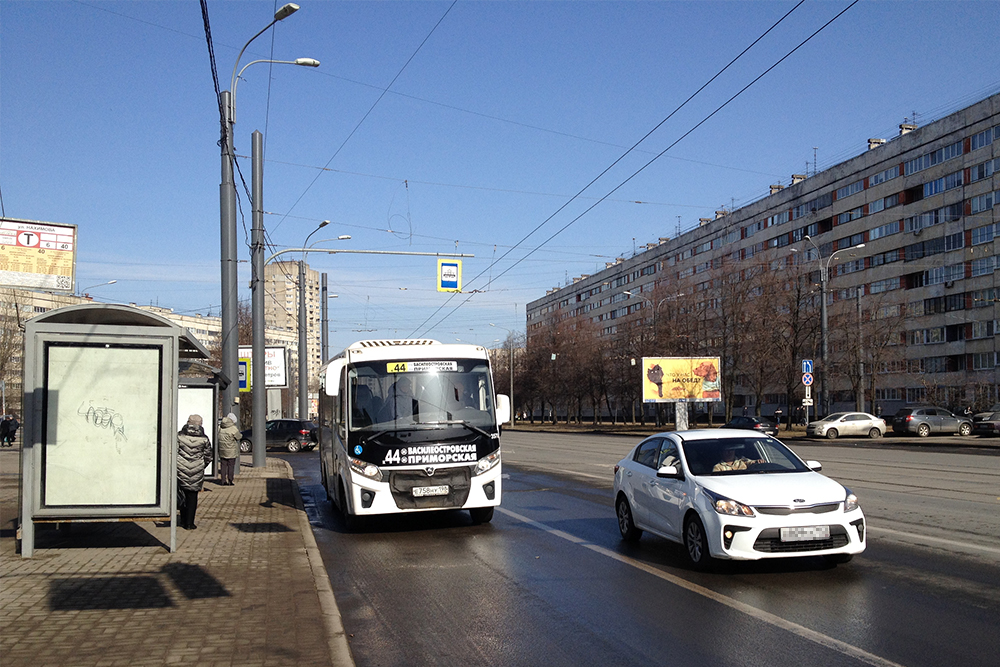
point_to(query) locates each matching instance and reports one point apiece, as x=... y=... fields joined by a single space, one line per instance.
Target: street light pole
x=824 y=270
x=511 y=333
x=227 y=216
x=83 y=291
x=303 y=354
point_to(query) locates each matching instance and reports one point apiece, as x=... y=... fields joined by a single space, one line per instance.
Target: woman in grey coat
x=229 y=449
x=194 y=452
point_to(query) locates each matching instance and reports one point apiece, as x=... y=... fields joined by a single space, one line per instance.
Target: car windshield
x=401 y=394
x=836 y=416
x=740 y=456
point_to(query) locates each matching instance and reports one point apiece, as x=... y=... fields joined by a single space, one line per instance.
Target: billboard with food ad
x=680 y=379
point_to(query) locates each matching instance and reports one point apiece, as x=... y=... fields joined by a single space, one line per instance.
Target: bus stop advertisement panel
x=101 y=387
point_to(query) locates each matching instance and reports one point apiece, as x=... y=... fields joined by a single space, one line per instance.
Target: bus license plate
x=805 y=533
x=424 y=491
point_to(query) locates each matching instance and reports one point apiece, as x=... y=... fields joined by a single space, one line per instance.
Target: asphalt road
x=549 y=582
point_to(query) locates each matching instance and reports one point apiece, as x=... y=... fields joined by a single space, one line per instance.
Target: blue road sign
x=807 y=379
x=807 y=365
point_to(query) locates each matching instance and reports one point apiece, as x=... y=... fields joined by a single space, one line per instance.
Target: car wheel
x=874 y=433
x=481 y=514
x=923 y=430
x=293 y=445
x=838 y=559
x=964 y=429
x=625 y=523
x=832 y=434
x=696 y=543
x=246 y=446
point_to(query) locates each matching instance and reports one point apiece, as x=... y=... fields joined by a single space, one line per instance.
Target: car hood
x=782 y=489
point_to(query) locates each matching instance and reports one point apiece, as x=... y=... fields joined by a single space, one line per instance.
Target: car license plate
x=424 y=491
x=805 y=533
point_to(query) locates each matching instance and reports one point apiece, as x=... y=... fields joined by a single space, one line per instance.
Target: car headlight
x=851 y=501
x=724 y=505
x=369 y=470
x=487 y=462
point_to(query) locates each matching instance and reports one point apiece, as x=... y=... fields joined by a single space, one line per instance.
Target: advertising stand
x=100 y=413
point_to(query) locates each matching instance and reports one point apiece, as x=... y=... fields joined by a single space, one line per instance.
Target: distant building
x=924 y=203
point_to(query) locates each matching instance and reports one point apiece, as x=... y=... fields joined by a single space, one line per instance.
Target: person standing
x=4 y=430
x=12 y=427
x=194 y=452
x=229 y=449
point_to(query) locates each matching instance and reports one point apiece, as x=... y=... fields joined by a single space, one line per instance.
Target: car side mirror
x=670 y=472
x=815 y=466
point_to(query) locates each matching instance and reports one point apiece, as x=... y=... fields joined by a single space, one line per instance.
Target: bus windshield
x=393 y=395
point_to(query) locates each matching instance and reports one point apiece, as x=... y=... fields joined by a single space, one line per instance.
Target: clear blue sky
x=499 y=114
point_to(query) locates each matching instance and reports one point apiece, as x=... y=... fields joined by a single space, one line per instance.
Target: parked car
x=735 y=495
x=986 y=423
x=847 y=423
x=760 y=425
x=926 y=420
x=292 y=434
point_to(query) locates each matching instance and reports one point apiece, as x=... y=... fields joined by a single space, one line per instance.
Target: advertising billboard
x=680 y=379
x=275 y=367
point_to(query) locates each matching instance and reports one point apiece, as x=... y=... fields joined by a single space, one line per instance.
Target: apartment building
x=281 y=308
x=924 y=204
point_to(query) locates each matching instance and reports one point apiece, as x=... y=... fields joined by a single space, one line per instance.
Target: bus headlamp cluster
x=487 y=462
x=365 y=469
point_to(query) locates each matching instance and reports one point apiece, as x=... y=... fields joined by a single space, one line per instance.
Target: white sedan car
x=737 y=495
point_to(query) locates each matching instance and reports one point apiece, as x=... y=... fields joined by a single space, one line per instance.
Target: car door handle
x=628 y=474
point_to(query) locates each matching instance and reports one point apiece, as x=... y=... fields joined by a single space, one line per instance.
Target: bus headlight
x=369 y=470
x=487 y=462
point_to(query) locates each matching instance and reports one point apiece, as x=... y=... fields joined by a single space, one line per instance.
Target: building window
x=851 y=189
x=984 y=170
x=884 y=230
x=847 y=216
x=882 y=177
x=886 y=285
x=915 y=395
x=983 y=361
x=983 y=266
x=984 y=138
x=983 y=202
x=935 y=157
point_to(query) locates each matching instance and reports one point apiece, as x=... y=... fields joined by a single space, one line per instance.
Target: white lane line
x=767 y=617
x=940 y=540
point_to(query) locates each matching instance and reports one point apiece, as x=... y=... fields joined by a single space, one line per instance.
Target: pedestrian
x=968 y=411
x=878 y=410
x=229 y=449
x=194 y=453
x=4 y=430
x=777 y=416
x=12 y=427
x=744 y=411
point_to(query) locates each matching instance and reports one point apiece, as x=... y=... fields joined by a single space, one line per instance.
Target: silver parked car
x=924 y=421
x=859 y=424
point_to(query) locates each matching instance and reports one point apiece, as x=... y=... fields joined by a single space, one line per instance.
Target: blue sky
x=497 y=114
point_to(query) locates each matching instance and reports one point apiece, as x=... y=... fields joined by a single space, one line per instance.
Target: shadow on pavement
x=123 y=592
x=94 y=535
x=194 y=582
x=262 y=527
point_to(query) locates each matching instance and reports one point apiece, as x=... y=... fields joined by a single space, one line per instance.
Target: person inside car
x=731 y=462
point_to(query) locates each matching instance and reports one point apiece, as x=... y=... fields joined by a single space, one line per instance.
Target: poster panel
x=101 y=442
x=199 y=401
x=680 y=379
x=275 y=366
x=37 y=255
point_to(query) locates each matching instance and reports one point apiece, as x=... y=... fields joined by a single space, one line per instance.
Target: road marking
x=939 y=540
x=767 y=617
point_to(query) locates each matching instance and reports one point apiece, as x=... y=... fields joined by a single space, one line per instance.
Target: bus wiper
x=462 y=422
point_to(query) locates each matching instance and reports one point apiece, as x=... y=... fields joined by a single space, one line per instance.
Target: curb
x=340 y=650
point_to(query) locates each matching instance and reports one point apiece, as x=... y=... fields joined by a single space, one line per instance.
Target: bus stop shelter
x=100 y=419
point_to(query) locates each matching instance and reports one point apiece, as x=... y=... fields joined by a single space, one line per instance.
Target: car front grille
x=811 y=509
x=769 y=541
x=459 y=481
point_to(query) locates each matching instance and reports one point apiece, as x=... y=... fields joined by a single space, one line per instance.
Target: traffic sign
x=809 y=392
x=807 y=402
x=807 y=379
x=807 y=365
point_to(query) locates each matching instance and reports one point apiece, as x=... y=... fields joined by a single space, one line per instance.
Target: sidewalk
x=247 y=587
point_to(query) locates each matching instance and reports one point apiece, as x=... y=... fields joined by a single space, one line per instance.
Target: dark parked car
x=927 y=420
x=292 y=434
x=760 y=425
x=986 y=423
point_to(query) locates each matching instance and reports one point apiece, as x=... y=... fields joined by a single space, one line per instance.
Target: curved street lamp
x=84 y=290
x=824 y=271
x=227 y=216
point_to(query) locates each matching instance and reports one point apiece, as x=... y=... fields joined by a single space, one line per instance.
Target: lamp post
x=303 y=355
x=227 y=215
x=824 y=270
x=84 y=290
x=325 y=337
x=511 y=370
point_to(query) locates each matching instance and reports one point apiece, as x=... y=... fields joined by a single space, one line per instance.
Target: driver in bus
x=399 y=402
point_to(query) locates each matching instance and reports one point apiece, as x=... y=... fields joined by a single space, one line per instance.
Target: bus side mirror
x=331 y=376
x=503 y=409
